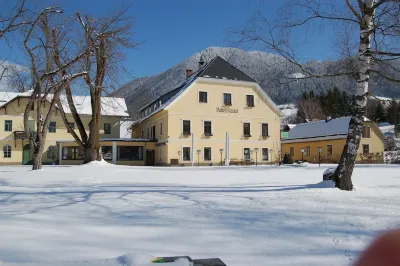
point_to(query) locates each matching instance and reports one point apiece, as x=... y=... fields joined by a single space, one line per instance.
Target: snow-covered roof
x=110 y=106
x=6 y=96
x=323 y=128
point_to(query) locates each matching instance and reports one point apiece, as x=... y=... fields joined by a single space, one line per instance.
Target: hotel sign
x=227 y=110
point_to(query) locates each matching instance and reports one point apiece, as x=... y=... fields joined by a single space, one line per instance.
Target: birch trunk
x=345 y=168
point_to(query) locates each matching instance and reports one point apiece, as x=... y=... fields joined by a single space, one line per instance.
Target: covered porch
x=132 y=151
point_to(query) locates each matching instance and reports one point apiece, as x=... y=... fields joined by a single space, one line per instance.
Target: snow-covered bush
x=392 y=157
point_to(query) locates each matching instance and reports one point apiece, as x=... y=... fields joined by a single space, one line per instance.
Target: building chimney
x=201 y=62
x=189 y=72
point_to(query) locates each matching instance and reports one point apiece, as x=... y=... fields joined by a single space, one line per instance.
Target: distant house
x=330 y=136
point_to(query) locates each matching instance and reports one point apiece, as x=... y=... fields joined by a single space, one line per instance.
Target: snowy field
x=244 y=215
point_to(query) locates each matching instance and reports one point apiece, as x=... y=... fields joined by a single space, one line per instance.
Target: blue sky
x=173 y=30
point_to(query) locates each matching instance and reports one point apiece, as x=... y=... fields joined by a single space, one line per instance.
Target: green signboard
x=284 y=135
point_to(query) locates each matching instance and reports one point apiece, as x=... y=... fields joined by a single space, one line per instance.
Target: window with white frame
x=161 y=129
x=207 y=128
x=186 y=127
x=264 y=130
x=265 y=154
x=186 y=154
x=202 y=97
x=207 y=153
x=7 y=151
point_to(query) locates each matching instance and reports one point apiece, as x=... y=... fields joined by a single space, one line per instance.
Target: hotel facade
x=218 y=115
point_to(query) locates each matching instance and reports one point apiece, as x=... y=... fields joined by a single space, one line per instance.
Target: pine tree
x=380 y=115
x=393 y=115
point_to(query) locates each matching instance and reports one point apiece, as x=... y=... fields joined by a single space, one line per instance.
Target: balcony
x=20 y=135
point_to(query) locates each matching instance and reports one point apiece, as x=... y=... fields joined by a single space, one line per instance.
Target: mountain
x=265 y=68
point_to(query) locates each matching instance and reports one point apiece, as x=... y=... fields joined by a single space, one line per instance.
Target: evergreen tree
x=380 y=115
x=393 y=115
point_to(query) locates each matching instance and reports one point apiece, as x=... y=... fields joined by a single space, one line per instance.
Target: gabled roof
x=110 y=106
x=216 y=69
x=323 y=128
x=221 y=69
x=332 y=129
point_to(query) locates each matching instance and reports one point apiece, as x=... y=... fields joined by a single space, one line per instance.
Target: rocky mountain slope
x=265 y=68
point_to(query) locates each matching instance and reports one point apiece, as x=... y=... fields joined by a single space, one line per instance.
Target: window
x=365 y=148
x=207 y=154
x=265 y=154
x=186 y=154
x=130 y=153
x=106 y=151
x=366 y=132
x=155 y=106
x=291 y=152
x=148 y=133
x=329 y=150
x=307 y=151
x=153 y=132
x=33 y=106
x=161 y=128
x=51 y=152
x=107 y=128
x=52 y=127
x=142 y=134
x=246 y=154
x=246 y=129
x=7 y=151
x=250 y=100
x=186 y=127
x=72 y=153
x=227 y=99
x=8 y=125
x=202 y=97
x=264 y=129
x=207 y=128
x=72 y=125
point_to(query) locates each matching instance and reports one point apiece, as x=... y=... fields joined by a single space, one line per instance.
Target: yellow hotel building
x=60 y=147
x=303 y=140
x=218 y=115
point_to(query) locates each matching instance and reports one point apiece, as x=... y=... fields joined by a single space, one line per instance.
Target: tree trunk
x=345 y=168
x=38 y=148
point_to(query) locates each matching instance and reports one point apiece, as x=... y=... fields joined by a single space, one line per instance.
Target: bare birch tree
x=42 y=44
x=105 y=36
x=369 y=44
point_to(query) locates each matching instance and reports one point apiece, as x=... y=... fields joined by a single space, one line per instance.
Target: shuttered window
x=366 y=132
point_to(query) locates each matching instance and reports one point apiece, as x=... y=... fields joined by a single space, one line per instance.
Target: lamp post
x=198 y=158
x=221 y=151
x=179 y=156
x=302 y=154
x=256 y=150
x=319 y=156
x=270 y=155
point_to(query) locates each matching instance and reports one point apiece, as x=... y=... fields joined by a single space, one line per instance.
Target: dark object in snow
x=328 y=174
x=199 y=262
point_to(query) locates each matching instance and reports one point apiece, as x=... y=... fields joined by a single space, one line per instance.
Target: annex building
x=60 y=147
x=303 y=141
x=218 y=115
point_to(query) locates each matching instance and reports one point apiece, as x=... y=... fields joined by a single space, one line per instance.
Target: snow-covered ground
x=244 y=215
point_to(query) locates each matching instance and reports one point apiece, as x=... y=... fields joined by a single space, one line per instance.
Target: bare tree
x=369 y=45
x=310 y=109
x=12 y=21
x=105 y=36
x=42 y=44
